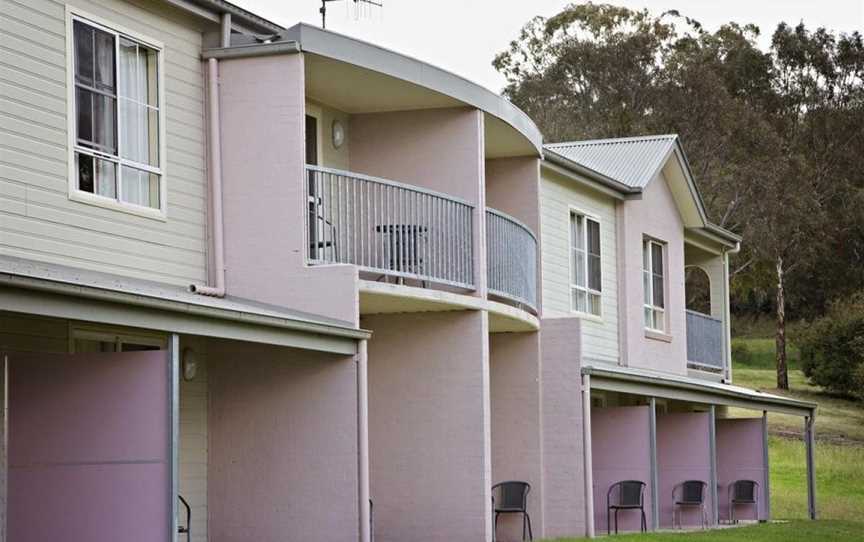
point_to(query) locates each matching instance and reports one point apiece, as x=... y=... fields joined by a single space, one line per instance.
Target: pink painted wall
x=83 y=431
x=739 y=457
x=683 y=453
x=657 y=216
x=282 y=445
x=263 y=156
x=438 y=149
x=429 y=426
x=561 y=411
x=513 y=187
x=620 y=451
x=514 y=375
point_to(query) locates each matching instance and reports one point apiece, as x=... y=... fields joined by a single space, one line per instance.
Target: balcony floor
x=386 y=298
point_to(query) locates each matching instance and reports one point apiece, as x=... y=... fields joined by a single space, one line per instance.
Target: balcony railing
x=511 y=259
x=389 y=228
x=704 y=341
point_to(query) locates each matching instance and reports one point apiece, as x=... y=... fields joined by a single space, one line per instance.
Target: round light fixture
x=190 y=364
x=338 y=134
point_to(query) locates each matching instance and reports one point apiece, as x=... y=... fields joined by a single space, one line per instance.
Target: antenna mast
x=357 y=3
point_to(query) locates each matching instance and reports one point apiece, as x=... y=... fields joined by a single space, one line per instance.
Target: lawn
x=795 y=531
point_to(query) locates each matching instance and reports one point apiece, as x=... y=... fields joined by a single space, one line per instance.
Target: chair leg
x=616 y=521
x=523 y=527
x=495 y=527
x=530 y=531
x=644 y=524
x=608 y=523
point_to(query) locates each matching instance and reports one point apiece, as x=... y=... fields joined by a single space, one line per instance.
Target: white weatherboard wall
x=37 y=219
x=558 y=196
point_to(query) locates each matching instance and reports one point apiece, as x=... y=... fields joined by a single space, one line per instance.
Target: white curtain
x=139 y=130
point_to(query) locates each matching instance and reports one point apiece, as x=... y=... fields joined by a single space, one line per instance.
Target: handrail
x=511 y=259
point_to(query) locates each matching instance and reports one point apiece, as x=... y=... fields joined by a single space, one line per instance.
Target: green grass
x=795 y=531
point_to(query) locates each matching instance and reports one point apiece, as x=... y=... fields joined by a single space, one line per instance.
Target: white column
x=174 y=430
x=766 y=477
x=655 y=475
x=588 y=459
x=363 y=442
x=712 y=447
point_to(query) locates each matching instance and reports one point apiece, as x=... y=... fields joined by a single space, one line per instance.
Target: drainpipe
x=363 y=441
x=587 y=456
x=216 y=222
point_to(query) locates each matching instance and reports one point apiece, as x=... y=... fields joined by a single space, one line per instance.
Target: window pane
x=140 y=125
x=649 y=317
x=658 y=290
x=646 y=287
x=593 y=237
x=659 y=320
x=96 y=176
x=104 y=61
x=140 y=187
x=594 y=272
x=657 y=258
x=83 y=53
x=93 y=345
x=105 y=123
x=148 y=58
x=580 y=232
x=646 y=256
x=579 y=265
x=579 y=301
x=594 y=304
x=84 y=117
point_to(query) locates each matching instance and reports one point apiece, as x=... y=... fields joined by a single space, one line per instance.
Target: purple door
x=88 y=443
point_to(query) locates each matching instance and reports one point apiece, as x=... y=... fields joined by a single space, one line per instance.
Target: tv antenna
x=359 y=8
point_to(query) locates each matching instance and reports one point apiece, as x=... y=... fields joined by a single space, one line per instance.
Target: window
x=653 y=284
x=585 y=287
x=117 y=146
x=100 y=340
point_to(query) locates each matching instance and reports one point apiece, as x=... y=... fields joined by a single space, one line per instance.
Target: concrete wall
x=558 y=197
x=655 y=215
x=438 y=149
x=740 y=457
x=514 y=375
x=562 y=444
x=429 y=426
x=683 y=453
x=263 y=142
x=37 y=218
x=283 y=445
x=621 y=451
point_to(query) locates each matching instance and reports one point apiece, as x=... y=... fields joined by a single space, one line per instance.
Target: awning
x=64 y=292
x=681 y=388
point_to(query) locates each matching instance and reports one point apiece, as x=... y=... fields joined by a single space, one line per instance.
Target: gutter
x=598 y=177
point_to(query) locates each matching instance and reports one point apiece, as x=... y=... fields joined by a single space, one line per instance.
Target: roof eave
x=628 y=192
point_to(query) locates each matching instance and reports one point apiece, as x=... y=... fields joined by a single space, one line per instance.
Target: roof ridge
x=611 y=140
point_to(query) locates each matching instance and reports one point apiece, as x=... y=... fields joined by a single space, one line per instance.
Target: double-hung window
x=585 y=279
x=117 y=147
x=653 y=284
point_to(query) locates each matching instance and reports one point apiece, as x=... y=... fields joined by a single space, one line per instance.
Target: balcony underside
x=387 y=298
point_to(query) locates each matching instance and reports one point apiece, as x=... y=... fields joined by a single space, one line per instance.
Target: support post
x=4 y=443
x=712 y=450
x=766 y=477
x=588 y=459
x=174 y=430
x=225 y=38
x=363 y=441
x=655 y=478
x=810 y=443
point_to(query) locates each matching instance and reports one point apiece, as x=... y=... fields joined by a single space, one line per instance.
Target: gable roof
x=628 y=164
x=632 y=161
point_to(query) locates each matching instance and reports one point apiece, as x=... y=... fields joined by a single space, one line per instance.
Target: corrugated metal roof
x=632 y=161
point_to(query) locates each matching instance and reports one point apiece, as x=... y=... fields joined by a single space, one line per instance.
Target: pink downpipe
x=218 y=289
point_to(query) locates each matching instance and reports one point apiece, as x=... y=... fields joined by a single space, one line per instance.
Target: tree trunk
x=780 y=339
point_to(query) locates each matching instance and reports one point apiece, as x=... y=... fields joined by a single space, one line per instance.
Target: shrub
x=741 y=353
x=832 y=348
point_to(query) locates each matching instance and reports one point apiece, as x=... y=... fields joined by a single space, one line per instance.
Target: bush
x=832 y=348
x=741 y=353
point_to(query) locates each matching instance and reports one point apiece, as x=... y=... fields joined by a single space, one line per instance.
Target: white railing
x=389 y=228
x=704 y=341
x=511 y=259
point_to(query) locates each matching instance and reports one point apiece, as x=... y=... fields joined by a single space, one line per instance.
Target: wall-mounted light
x=190 y=364
x=338 y=133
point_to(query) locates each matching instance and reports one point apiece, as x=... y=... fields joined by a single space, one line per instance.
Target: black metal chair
x=511 y=497
x=743 y=492
x=186 y=529
x=626 y=495
x=689 y=494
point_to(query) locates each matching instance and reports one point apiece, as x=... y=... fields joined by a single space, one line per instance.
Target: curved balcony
x=511 y=259
x=389 y=228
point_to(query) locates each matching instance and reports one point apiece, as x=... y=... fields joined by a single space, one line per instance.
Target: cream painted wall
x=37 y=218
x=558 y=196
x=329 y=155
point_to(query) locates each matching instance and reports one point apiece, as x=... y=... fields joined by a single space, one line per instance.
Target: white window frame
x=579 y=213
x=648 y=242
x=118 y=336
x=72 y=15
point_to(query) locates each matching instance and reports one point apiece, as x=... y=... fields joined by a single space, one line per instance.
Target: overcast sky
x=463 y=36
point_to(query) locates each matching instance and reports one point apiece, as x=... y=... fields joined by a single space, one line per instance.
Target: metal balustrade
x=387 y=227
x=511 y=259
x=704 y=341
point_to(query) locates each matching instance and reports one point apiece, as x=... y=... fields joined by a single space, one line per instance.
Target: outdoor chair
x=742 y=492
x=512 y=498
x=186 y=529
x=689 y=494
x=626 y=495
